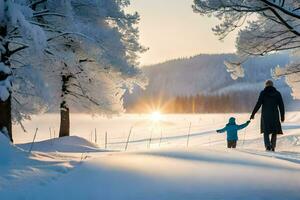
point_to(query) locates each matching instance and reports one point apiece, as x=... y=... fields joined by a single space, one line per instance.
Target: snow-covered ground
x=161 y=161
x=170 y=131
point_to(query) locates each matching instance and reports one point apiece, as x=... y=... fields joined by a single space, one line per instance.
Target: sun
x=156 y=116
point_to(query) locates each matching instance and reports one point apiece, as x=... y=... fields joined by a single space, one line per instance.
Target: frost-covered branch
x=35 y=3
x=282 y=8
x=70 y=33
x=48 y=13
x=271 y=26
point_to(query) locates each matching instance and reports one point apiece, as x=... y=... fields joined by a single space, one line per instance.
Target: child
x=232 y=129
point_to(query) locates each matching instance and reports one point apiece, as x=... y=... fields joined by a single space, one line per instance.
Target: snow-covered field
x=161 y=161
x=169 y=131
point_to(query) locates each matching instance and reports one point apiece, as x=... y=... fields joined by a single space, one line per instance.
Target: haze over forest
x=205 y=75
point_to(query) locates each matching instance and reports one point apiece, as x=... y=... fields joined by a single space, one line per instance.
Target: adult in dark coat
x=271 y=101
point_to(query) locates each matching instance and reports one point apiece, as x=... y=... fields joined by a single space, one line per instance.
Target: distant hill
x=206 y=74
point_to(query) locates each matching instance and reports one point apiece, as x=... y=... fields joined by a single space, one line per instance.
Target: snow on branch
x=265 y=27
x=292 y=74
x=235 y=69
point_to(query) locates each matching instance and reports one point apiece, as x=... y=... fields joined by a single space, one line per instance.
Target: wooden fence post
x=128 y=138
x=160 y=137
x=106 y=140
x=95 y=136
x=31 y=146
x=188 y=136
x=50 y=133
x=149 y=144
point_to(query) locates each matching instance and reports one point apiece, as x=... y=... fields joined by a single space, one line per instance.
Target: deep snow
x=171 y=174
x=20 y=168
x=75 y=168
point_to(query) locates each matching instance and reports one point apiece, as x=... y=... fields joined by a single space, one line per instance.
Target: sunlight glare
x=156 y=116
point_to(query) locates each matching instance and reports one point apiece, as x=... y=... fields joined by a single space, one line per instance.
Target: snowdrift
x=19 y=167
x=71 y=144
x=8 y=152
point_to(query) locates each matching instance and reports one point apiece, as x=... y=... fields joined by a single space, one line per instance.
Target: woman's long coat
x=271 y=101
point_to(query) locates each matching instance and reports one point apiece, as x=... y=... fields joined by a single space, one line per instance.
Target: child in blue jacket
x=232 y=128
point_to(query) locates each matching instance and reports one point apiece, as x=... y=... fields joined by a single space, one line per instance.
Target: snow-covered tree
x=234 y=13
x=85 y=52
x=22 y=45
x=291 y=71
x=272 y=25
x=95 y=62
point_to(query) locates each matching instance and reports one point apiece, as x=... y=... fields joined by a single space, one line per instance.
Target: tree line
x=223 y=103
x=235 y=101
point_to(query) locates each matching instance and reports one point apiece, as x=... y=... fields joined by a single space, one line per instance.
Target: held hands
x=252 y=117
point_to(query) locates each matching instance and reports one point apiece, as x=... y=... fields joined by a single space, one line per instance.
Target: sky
x=170 y=29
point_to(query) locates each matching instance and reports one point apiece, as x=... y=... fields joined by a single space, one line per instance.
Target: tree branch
x=275 y=6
